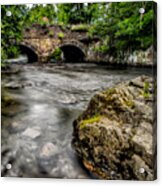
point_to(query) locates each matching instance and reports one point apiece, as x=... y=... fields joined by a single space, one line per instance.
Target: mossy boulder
x=114 y=136
x=6 y=99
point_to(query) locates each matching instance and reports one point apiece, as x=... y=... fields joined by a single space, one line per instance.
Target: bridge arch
x=73 y=51
x=29 y=51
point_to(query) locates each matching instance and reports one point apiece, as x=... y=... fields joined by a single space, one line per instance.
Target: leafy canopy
x=119 y=25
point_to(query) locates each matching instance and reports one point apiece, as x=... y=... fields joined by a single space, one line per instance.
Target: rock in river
x=48 y=150
x=114 y=136
x=13 y=85
x=32 y=133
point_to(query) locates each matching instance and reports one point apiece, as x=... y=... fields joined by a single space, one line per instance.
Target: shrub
x=102 y=49
x=56 y=54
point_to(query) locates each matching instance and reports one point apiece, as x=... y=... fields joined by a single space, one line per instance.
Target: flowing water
x=37 y=133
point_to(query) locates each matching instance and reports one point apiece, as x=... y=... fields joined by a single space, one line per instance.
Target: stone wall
x=136 y=58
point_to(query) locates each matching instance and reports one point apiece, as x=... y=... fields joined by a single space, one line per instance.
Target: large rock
x=114 y=136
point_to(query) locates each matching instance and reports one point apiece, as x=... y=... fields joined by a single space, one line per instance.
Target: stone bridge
x=39 y=43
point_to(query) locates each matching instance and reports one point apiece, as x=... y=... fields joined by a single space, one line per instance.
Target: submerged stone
x=33 y=132
x=48 y=150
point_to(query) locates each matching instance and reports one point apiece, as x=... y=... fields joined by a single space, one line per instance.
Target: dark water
x=37 y=134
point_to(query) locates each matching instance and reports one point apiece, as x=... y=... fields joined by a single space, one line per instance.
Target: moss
x=63 y=26
x=61 y=35
x=50 y=33
x=6 y=99
x=92 y=120
x=110 y=91
x=129 y=103
x=80 y=28
x=111 y=97
x=146 y=86
x=146 y=93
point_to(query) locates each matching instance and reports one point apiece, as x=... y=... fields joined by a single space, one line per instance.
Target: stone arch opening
x=72 y=53
x=29 y=52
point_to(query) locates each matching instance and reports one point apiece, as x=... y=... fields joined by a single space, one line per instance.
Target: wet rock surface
x=48 y=150
x=114 y=136
x=37 y=117
x=32 y=132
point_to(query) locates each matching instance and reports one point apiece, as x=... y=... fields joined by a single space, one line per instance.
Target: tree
x=119 y=25
x=41 y=14
x=125 y=26
x=11 y=28
x=76 y=13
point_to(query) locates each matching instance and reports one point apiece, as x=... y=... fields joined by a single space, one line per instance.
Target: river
x=36 y=135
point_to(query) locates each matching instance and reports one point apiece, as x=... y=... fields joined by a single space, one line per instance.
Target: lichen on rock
x=114 y=136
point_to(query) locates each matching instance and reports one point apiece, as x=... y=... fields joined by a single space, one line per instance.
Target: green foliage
x=57 y=54
x=80 y=28
x=101 y=48
x=11 y=28
x=3 y=56
x=119 y=25
x=126 y=27
x=76 y=13
x=13 y=51
x=40 y=14
x=71 y=13
x=61 y=35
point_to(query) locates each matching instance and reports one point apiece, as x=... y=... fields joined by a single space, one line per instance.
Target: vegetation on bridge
x=120 y=26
